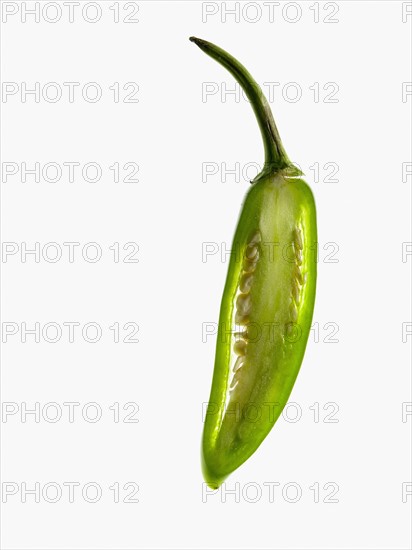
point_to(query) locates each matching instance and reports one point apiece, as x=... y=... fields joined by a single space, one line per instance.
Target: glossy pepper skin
x=268 y=299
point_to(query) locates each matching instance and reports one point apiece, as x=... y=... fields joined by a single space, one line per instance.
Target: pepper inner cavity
x=297 y=279
x=243 y=307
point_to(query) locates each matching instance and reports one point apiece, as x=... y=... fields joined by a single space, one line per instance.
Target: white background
x=172 y=291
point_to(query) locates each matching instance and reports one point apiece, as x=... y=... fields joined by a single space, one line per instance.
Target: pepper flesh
x=268 y=299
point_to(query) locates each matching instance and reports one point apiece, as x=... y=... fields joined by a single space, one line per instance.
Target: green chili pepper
x=268 y=300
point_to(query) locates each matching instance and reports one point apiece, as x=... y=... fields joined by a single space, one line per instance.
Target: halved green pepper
x=268 y=300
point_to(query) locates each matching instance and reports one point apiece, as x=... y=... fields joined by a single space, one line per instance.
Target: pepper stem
x=276 y=158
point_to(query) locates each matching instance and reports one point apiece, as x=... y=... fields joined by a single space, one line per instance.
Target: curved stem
x=276 y=158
